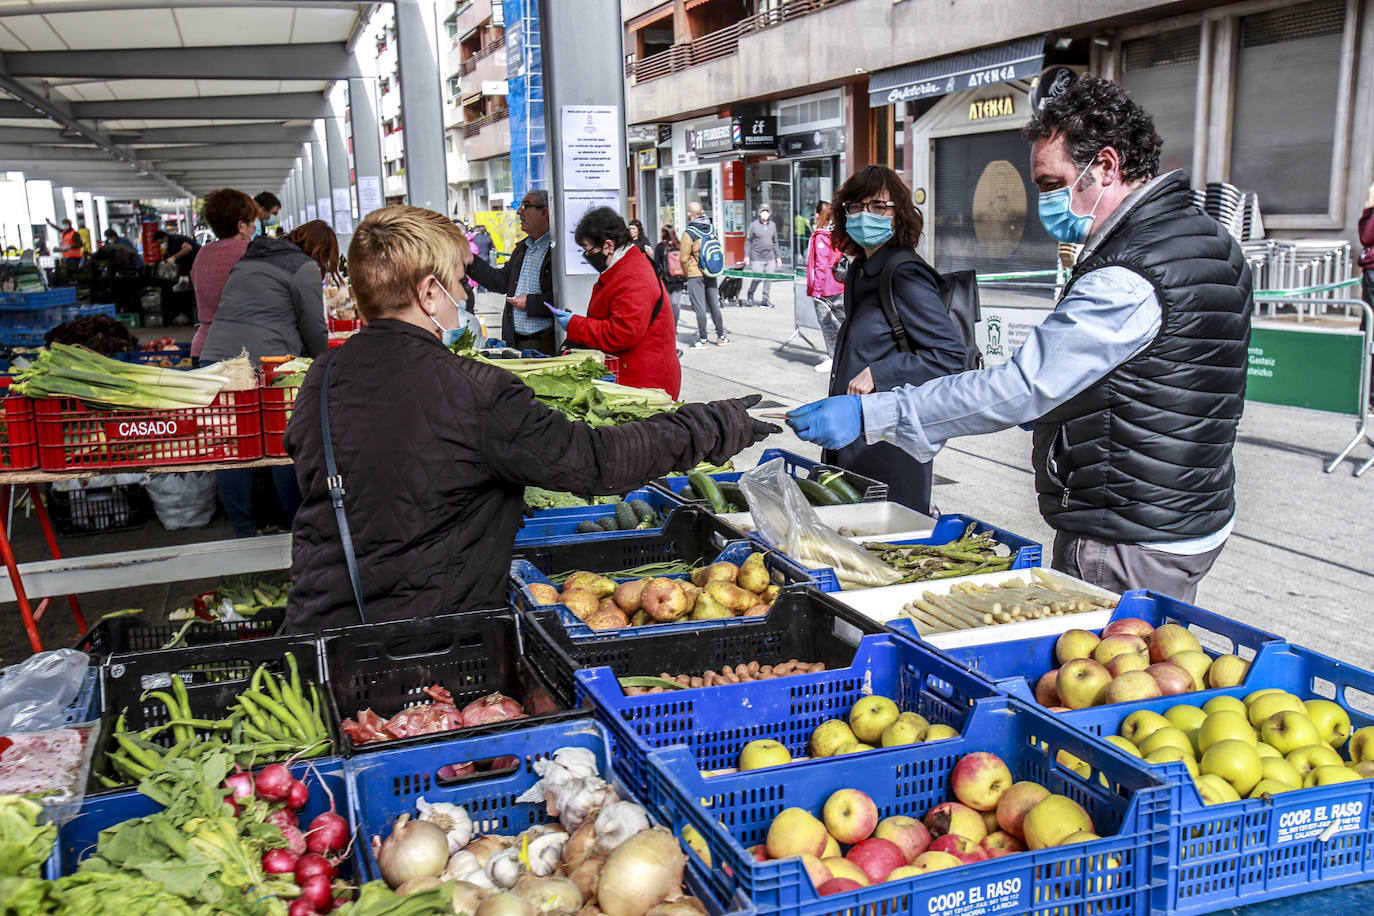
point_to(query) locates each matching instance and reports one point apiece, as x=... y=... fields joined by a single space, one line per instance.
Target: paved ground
x=1300 y=562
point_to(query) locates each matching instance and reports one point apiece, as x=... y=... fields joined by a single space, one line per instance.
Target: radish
x=232 y=806
x=301 y=907
x=311 y=864
x=328 y=833
x=274 y=782
x=295 y=840
x=279 y=862
x=283 y=818
x=319 y=892
x=297 y=795
x=240 y=785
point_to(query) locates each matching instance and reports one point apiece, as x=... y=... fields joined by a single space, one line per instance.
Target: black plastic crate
x=97 y=510
x=117 y=635
x=213 y=674
x=804 y=624
x=387 y=666
x=691 y=534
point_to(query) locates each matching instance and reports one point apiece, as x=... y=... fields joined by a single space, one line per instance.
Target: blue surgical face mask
x=868 y=230
x=450 y=335
x=1058 y=218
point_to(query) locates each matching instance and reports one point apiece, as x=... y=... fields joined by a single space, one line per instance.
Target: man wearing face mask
x=1136 y=380
x=629 y=315
x=761 y=247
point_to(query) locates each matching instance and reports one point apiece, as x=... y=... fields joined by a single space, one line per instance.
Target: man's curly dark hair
x=1093 y=113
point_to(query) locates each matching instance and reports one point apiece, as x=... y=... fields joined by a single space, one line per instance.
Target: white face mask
x=447 y=335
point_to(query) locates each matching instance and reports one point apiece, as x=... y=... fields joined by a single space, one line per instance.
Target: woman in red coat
x=629 y=316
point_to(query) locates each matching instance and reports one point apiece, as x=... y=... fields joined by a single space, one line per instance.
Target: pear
x=641 y=618
x=595 y=583
x=581 y=602
x=709 y=609
x=543 y=593
x=770 y=594
x=730 y=596
x=753 y=574
x=627 y=594
x=716 y=572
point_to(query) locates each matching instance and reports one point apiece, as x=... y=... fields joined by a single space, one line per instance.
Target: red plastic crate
x=19 y=445
x=344 y=324
x=613 y=367
x=71 y=435
x=277 y=404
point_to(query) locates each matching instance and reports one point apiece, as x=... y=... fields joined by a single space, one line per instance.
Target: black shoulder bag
x=334 y=480
x=959 y=292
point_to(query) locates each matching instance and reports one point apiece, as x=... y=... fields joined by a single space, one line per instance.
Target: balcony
x=393 y=146
x=487 y=136
x=457 y=168
x=394 y=185
x=478 y=70
x=453 y=113
x=471 y=64
x=391 y=103
x=722 y=42
x=471 y=15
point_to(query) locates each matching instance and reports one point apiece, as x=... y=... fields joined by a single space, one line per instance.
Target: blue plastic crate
x=385 y=785
x=1117 y=874
x=716 y=722
x=73 y=312
x=76 y=839
x=175 y=354
x=559 y=526
x=870 y=490
x=61 y=295
x=782 y=569
x=1015 y=665
x=1230 y=855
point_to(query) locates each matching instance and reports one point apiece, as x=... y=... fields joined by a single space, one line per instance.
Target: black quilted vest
x=1145 y=454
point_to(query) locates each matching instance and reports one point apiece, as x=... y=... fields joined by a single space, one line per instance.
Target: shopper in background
x=1136 y=381
x=112 y=237
x=272 y=305
x=233 y=217
x=826 y=292
x=69 y=245
x=761 y=248
x=638 y=239
x=527 y=279
x=629 y=316
x=434 y=451
x=668 y=263
x=178 y=249
x=701 y=289
x=268 y=208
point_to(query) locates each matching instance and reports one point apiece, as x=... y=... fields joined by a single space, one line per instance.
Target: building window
x=1288 y=68
x=454 y=89
x=498 y=176
x=451 y=26
x=1161 y=73
x=809 y=113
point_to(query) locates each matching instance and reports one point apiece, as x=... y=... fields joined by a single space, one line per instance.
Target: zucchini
x=588 y=527
x=644 y=511
x=816 y=494
x=834 y=482
x=709 y=491
x=735 y=496
x=607 y=524
x=625 y=518
x=687 y=493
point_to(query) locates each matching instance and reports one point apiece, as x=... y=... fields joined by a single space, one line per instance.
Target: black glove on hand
x=758 y=429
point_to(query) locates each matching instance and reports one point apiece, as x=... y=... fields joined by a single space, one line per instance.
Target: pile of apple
x=874 y=721
x=1130 y=661
x=1268 y=743
x=993 y=817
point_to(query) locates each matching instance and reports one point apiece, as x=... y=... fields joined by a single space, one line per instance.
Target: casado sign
x=151 y=429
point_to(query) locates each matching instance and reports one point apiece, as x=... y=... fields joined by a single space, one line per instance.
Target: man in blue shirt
x=1136 y=380
x=527 y=279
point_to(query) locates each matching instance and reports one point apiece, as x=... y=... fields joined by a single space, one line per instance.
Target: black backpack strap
x=334 y=481
x=658 y=306
x=899 y=257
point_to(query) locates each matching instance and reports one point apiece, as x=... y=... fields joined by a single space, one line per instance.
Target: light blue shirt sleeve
x=1111 y=315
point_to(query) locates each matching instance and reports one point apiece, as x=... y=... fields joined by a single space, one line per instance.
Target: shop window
x=1161 y=73
x=1283 y=128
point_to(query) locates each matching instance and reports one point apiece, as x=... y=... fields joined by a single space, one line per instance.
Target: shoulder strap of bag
x=658 y=306
x=894 y=323
x=334 y=481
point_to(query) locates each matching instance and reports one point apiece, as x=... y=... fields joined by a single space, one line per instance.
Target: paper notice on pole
x=575 y=206
x=591 y=147
x=369 y=194
x=343 y=211
x=322 y=208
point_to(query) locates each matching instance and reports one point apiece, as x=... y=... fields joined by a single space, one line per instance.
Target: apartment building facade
x=476 y=115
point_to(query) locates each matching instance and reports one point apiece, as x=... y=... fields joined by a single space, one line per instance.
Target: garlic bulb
x=464 y=866
x=617 y=822
x=452 y=819
x=544 y=852
x=504 y=866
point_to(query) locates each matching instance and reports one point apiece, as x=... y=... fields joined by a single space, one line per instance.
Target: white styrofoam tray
x=885 y=605
x=887 y=521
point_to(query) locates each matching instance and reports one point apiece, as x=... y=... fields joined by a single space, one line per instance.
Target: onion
x=416 y=885
x=496 y=707
x=485 y=846
x=579 y=845
x=548 y=894
x=586 y=873
x=466 y=896
x=504 y=904
x=682 y=906
x=641 y=873
x=590 y=910
x=414 y=849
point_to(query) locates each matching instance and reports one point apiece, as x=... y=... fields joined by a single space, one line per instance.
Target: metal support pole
x=288 y=201
x=308 y=182
x=422 y=102
x=302 y=208
x=367 y=145
x=340 y=195
x=324 y=204
x=584 y=68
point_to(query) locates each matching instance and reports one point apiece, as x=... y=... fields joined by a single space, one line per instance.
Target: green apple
x=1171 y=754
x=1256 y=694
x=1265 y=706
x=1266 y=751
x=1195 y=663
x=1217 y=704
x=870 y=716
x=1277 y=768
x=1142 y=723
x=1234 y=761
x=1076 y=764
x=854 y=747
x=1365 y=768
x=1168 y=736
x=1333 y=722
x=1267 y=787
x=829 y=736
x=1329 y=775
x=909 y=728
x=1215 y=790
x=1287 y=731
x=1307 y=759
x=1222 y=726
x=1227 y=671
x=1125 y=745
x=1362 y=745
x=1185 y=716
x=940 y=733
x=1075 y=643
x=765 y=752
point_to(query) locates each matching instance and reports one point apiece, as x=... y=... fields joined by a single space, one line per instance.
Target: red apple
x=815 y=870
x=1127 y=661
x=1016 y=802
x=1172 y=679
x=953 y=817
x=1132 y=625
x=760 y=852
x=961 y=847
x=838 y=886
x=907 y=832
x=1001 y=844
x=1045 y=692
x=877 y=858
x=1073 y=644
x=1171 y=638
x=1081 y=683
x=1120 y=644
x=850 y=816
x=978 y=780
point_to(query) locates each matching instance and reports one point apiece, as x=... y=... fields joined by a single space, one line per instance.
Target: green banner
x=1314 y=369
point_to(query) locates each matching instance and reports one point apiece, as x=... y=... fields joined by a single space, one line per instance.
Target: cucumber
x=735 y=496
x=625 y=518
x=588 y=527
x=687 y=493
x=816 y=494
x=834 y=482
x=607 y=523
x=644 y=511
x=709 y=491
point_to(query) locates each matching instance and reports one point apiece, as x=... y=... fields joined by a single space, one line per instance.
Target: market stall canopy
x=132 y=99
x=1015 y=60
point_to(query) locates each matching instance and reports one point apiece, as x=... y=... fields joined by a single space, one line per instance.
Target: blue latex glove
x=831 y=423
x=561 y=317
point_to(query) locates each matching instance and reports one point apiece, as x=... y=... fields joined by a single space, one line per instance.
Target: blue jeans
x=236 y=491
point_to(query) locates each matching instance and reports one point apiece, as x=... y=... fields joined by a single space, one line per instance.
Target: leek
x=64 y=371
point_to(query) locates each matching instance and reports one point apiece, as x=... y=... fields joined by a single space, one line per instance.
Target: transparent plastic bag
x=183 y=500
x=784 y=517
x=35 y=694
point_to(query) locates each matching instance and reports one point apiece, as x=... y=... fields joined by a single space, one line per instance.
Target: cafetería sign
x=1016 y=60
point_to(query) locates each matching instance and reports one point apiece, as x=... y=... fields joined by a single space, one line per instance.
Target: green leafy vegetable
x=24 y=845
